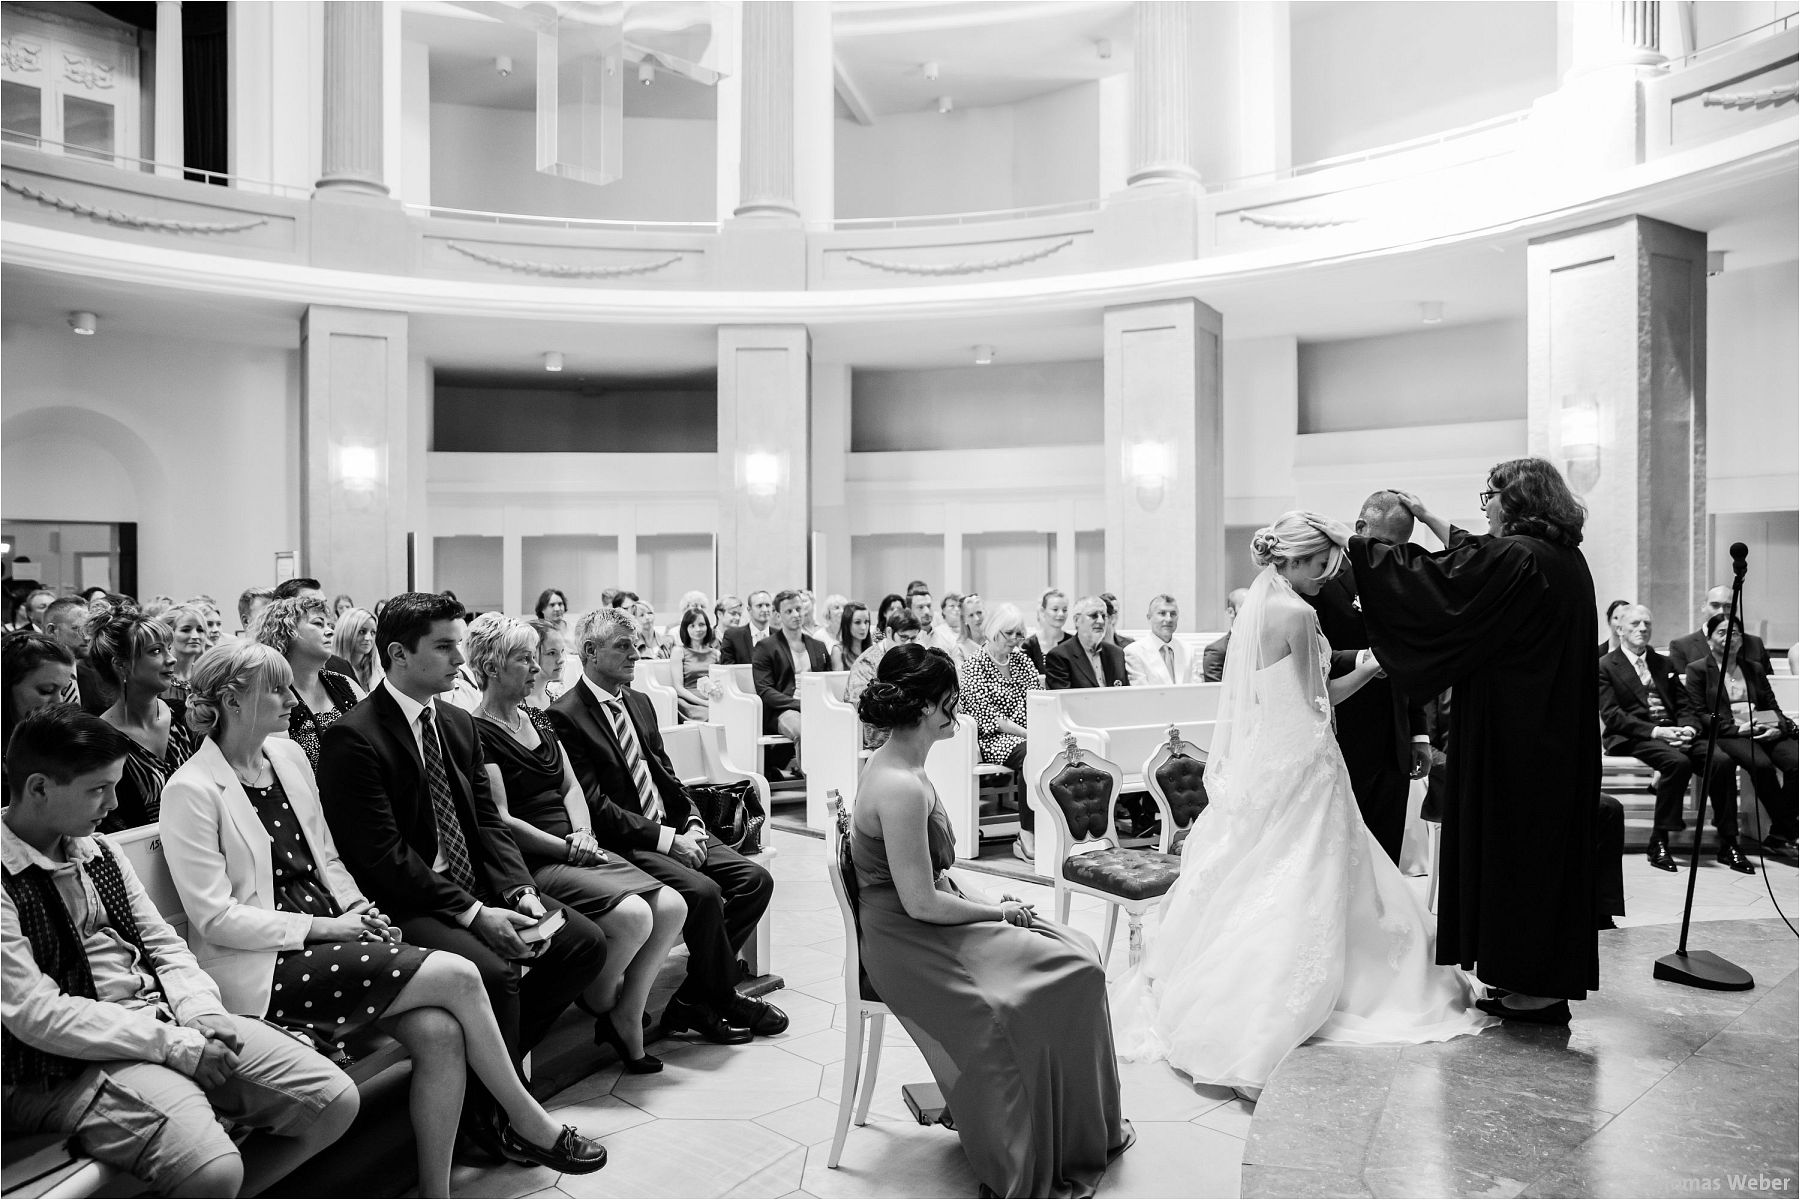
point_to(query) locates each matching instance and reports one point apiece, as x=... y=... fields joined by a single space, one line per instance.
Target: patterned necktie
x=451 y=842
x=648 y=801
x=1168 y=657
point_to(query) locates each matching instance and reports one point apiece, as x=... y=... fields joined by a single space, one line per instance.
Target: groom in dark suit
x=1382 y=735
x=642 y=812
x=405 y=791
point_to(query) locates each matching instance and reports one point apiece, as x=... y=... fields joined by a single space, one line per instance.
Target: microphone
x=1739 y=552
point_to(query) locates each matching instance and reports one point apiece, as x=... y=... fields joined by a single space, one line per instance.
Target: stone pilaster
x=1161 y=140
x=171 y=151
x=766 y=167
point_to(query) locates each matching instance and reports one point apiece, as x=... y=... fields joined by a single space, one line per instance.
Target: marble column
x=354 y=440
x=351 y=148
x=169 y=143
x=765 y=497
x=1165 y=503
x=1616 y=33
x=1617 y=400
x=1161 y=139
x=766 y=165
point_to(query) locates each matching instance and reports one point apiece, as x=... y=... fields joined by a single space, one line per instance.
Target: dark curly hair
x=1537 y=502
x=910 y=681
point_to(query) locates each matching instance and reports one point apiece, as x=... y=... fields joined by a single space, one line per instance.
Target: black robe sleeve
x=1432 y=618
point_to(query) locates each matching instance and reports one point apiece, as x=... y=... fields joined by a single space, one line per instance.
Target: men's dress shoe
x=762 y=1018
x=680 y=1017
x=1550 y=1014
x=571 y=1153
x=1732 y=856
x=1775 y=843
x=1659 y=855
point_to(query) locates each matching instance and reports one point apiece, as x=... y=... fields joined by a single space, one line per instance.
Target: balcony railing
x=500 y=218
x=150 y=166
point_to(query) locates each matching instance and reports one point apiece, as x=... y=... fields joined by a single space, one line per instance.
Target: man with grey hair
x=1382 y=735
x=642 y=812
x=1160 y=659
x=1646 y=713
x=1087 y=660
x=1212 y=659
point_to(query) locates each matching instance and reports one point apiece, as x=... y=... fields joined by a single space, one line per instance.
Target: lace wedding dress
x=1288 y=921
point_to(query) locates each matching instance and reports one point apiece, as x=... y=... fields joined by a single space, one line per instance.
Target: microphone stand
x=1703 y=968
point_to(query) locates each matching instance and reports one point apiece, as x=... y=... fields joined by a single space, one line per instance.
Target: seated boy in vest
x=112 y=1032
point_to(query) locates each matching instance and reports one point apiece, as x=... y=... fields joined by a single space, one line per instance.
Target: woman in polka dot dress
x=277 y=920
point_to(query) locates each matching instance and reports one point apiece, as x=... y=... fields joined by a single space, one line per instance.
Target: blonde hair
x=230 y=667
x=276 y=625
x=169 y=618
x=1004 y=616
x=1292 y=535
x=493 y=638
x=349 y=631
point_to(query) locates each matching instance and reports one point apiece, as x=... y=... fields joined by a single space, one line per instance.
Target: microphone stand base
x=1703 y=969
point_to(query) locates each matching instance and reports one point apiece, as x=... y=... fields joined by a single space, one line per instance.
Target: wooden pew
x=833 y=739
x=1123 y=725
x=955 y=769
x=698 y=754
x=654 y=677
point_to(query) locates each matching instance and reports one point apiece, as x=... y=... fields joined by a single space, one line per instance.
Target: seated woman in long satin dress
x=1010 y=1010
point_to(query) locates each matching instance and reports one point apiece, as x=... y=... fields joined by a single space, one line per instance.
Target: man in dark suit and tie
x=1647 y=714
x=1383 y=737
x=406 y=794
x=778 y=662
x=1087 y=660
x=642 y=812
x=1212 y=659
x=738 y=642
x=1691 y=648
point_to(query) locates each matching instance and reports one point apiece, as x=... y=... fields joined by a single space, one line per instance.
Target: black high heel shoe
x=607 y=1034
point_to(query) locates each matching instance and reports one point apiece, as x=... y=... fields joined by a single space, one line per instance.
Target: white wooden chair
x=859 y=1009
x=1078 y=792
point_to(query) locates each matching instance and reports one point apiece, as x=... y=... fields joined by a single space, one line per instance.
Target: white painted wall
x=485 y=158
x=1753 y=389
x=1367 y=73
x=996 y=406
x=123 y=428
x=1039 y=151
x=1436 y=376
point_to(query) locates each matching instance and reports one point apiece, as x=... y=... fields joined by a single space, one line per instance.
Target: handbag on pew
x=732 y=813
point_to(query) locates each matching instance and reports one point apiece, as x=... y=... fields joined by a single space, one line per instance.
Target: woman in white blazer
x=277 y=920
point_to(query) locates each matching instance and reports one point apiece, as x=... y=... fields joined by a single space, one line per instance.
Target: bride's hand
x=1337 y=531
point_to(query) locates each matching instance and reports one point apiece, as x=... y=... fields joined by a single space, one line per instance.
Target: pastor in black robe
x=1509 y=622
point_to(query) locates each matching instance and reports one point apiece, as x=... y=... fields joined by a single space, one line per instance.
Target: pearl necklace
x=512 y=726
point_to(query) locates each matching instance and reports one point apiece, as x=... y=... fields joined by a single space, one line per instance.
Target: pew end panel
x=833 y=739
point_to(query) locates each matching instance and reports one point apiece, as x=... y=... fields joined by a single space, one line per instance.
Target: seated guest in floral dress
x=994 y=683
x=277 y=920
x=548 y=816
x=131 y=654
x=300 y=631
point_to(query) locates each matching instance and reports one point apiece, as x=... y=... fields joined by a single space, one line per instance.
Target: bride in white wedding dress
x=1288 y=922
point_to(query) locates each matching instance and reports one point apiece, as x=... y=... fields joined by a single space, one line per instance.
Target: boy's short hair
x=60 y=742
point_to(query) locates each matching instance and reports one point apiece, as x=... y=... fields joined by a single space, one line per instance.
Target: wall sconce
x=1580 y=437
x=1431 y=312
x=1148 y=467
x=84 y=323
x=553 y=360
x=984 y=356
x=359 y=467
x=762 y=473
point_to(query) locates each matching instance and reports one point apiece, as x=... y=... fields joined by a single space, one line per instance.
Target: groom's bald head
x=1385 y=518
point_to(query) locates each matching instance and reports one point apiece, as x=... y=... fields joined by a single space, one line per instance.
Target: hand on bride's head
x=1337 y=531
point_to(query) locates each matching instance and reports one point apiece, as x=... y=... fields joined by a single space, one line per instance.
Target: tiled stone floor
x=757 y=1121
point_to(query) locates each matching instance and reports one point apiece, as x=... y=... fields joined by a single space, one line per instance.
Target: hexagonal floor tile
x=721 y=1082
x=892 y=1158
x=694 y=1158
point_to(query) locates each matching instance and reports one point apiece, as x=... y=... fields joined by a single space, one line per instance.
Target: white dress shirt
x=411 y=709
x=665 y=837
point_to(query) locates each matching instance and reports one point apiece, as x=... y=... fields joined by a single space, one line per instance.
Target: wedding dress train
x=1288 y=921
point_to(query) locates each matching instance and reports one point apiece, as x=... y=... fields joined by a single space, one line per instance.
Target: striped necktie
x=452 y=843
x=649 y=803
x=1168 y=657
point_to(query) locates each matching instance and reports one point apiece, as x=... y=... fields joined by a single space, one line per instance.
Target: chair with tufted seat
x=1077 y=792
x=1176 y=778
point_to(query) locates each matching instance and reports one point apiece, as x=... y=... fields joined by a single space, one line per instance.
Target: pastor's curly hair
x=1536 y=502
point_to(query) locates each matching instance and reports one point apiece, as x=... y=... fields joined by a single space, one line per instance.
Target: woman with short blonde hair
x=354 y=642
x=299 y=629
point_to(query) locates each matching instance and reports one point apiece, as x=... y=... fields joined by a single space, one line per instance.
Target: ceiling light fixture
x=553 y=360
x=84 y=323
x=646 y=72
x=1715 y=262
x=503 y=64
x=930 y=70
x=1431 y=312
x=984 y=355
x=945 y=104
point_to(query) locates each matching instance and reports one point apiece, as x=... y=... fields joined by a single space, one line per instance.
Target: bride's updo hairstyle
x=231 y=668
x=910 y=681
x=1293 y=535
